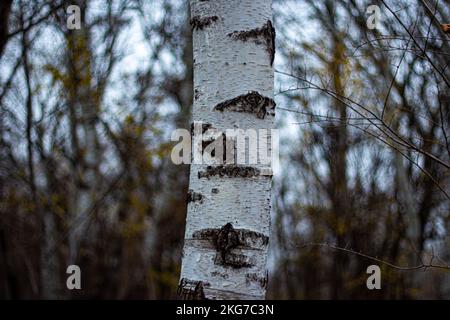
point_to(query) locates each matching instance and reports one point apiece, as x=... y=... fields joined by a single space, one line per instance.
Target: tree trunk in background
x=84 y=106
x=228 y=221
x=5 y=9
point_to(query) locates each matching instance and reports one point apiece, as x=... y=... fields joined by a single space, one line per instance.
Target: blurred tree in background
x=85 y=170
x=86 y=177
x=373 y=118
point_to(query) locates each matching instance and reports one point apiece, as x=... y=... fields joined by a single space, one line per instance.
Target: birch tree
x=228 y=220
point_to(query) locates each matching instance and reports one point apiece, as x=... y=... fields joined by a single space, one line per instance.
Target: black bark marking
x=194 y=197
x=252 y=102
x=228 y=238
x=247 y=238
x=191 y=290
x=254 y=277
x=196 y=94
x=205 y=143
x=228 y=143
x=230 y=171
x=266 y=32
x=206 y=234
x=223 y=275
x=234 y=260
x=215 y=190
x=198 y=23
x=205 y=127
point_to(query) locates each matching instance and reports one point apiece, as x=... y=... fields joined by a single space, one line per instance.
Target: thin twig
x=422 y=266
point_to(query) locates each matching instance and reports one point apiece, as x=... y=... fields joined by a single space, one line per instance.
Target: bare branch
x=422 y=266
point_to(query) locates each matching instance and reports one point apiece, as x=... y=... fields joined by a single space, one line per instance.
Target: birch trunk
x=84 y=103
x=228 y=220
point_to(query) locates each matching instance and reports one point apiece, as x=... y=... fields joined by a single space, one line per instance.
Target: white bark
x=226 y=67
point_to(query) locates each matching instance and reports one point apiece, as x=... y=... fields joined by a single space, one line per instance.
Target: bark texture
x=228 y=221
